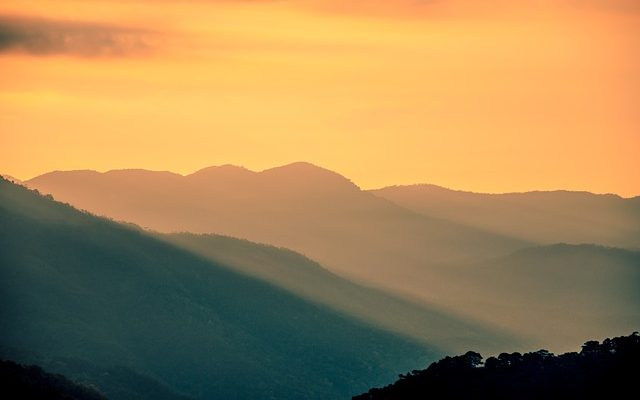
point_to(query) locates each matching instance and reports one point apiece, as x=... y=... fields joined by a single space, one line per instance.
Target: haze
x=494 y=97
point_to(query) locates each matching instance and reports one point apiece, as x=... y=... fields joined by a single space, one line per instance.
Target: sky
x=488 y=96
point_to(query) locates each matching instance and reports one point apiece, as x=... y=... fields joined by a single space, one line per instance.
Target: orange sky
x=484 y=96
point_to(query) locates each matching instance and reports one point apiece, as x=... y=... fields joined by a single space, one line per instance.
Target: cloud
x=42 y=37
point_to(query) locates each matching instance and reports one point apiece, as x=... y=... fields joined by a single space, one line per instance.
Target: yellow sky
x=484 y=96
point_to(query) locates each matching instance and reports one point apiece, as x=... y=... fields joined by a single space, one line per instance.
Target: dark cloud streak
x=42 y=37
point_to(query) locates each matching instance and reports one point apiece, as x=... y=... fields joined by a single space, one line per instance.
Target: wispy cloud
x=41 y=37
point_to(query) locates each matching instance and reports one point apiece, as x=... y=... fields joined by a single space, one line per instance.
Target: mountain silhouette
x=299 y=206
x=75 y=286
x=541 y=217
x=439 y=261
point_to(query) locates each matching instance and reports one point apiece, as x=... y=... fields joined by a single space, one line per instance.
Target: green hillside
x=76 y=286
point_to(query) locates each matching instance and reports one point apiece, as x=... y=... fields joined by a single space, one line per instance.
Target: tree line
x=606 y=370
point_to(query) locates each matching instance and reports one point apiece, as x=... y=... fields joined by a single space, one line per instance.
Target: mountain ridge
x=436 y=187
x=278 y=212
x=544 y=217
x=299 y=165
x=78 y=286
x=416 y=252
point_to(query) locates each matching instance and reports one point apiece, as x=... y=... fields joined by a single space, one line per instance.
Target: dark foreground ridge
x=32 y=382
x=600 y=370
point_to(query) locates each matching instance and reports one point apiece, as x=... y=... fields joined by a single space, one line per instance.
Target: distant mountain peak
x=221 y=169
x=300 y=165
x=305 y=173
x=219 y=174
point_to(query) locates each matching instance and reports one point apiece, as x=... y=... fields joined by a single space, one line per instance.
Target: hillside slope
x=308 y=279
x=76 y=286
x=557 y=294
x=448 y=266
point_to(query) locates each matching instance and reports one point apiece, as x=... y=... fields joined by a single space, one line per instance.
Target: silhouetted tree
x=607 y=370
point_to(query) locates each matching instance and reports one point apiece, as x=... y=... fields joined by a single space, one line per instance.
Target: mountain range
x=82 y=293
x=445 y=251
